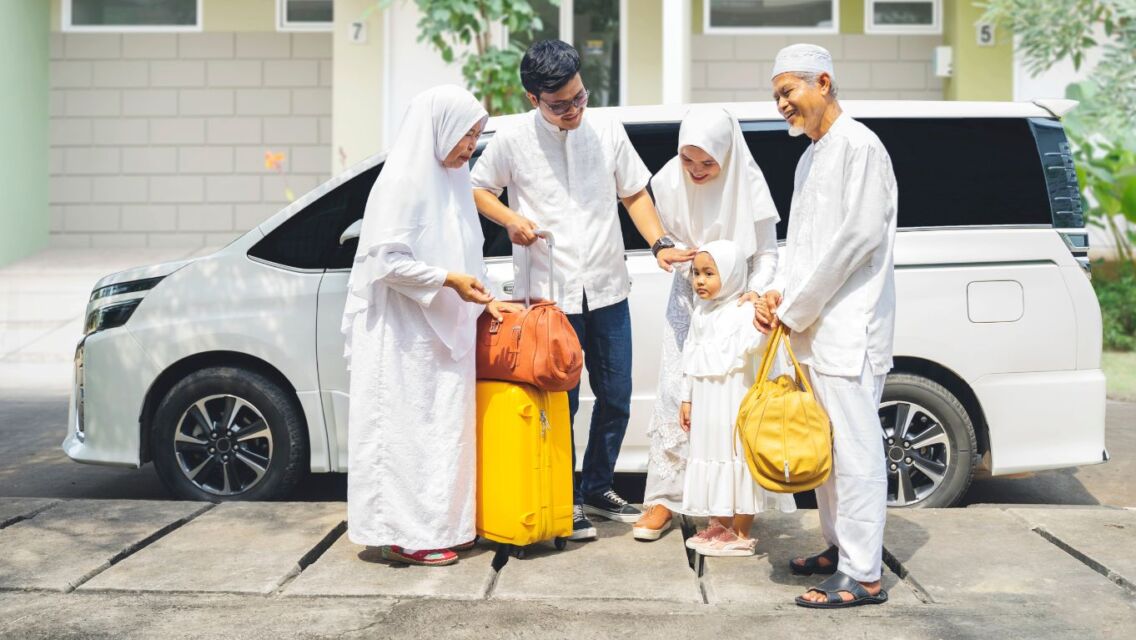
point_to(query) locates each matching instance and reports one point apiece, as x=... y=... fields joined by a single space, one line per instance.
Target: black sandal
x=812 y=563
x=832 y=587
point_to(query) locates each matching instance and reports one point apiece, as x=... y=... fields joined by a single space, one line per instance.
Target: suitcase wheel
x=560 y=543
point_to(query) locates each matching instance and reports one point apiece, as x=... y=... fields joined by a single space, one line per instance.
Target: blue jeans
x=605 y=335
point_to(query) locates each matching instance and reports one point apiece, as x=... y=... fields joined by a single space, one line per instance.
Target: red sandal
x=425 y=557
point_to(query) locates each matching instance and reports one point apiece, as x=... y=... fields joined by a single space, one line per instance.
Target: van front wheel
x=929 y=443
x=227 y=433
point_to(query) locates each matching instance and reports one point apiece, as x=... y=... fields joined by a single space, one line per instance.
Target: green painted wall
x=644 y=52
x=852 y=16
x=980 y=73
x=24 y=218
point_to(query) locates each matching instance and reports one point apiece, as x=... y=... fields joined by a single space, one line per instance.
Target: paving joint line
x=309 y=558
x=138 y=546
x=1083 y=558
x=27 y=516
x=899 y=569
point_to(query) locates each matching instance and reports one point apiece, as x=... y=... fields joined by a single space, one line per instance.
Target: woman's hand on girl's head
x=684 y=416
x=468 y=288
x=669 y=257
x=497 y=307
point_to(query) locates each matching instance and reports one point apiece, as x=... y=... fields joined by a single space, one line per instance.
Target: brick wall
x=159 y=139
x=868 y=67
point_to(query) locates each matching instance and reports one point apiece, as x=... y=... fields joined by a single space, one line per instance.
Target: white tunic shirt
x=837 y=275
x=568 y=182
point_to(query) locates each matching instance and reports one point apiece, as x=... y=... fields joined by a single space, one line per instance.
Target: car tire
x=917 y=411
x=251 y=445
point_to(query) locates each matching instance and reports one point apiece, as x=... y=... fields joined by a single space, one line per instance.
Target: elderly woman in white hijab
x=410 y=323
x=712 y=190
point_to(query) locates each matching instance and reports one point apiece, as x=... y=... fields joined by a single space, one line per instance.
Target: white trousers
x=853 y=501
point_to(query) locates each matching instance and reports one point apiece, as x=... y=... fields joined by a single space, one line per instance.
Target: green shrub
x=1117 y=295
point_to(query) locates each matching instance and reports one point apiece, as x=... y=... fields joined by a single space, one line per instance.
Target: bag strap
x=801 y=377
x=770 y=354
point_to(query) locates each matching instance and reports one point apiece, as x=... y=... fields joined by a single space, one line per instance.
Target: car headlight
x=110 y=316
x=134 y=286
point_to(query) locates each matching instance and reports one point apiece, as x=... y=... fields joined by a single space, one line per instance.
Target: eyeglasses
x=560 y=108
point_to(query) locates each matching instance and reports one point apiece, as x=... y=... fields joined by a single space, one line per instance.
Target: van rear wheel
x=228 y=433
x=929 y=443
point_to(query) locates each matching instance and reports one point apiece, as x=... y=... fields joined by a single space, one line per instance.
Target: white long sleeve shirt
x=568 y=182
x=837 y=274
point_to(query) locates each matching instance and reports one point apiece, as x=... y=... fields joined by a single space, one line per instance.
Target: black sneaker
x=609 y=505
x=582 y=528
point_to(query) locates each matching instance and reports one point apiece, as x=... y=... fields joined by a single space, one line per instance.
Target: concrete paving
x=237 y=547
x=1100 y=538
x=975 y=557
x=15 y=510
x=615 y=566
x=349 y=569
x=273 y=570
x=64 y=546
x=766 y=577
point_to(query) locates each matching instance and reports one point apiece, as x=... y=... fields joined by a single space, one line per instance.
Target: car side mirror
x=352 y=232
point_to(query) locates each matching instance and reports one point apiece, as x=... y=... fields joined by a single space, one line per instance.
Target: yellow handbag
x=785 y=434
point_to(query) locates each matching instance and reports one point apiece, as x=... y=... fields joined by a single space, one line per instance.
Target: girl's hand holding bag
x=536 y=346
x=785 y=434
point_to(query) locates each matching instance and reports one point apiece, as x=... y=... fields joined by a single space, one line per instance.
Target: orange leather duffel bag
x=536 y=346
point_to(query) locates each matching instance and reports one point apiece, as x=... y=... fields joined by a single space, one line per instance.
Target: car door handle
x=508 y=288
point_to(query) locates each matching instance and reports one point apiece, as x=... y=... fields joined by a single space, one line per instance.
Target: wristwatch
x=662 y=243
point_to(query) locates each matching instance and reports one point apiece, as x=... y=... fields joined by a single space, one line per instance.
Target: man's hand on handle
x=522 y=231
x=684 y=416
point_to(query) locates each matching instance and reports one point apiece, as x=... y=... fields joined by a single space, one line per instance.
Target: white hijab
x=726 y=208
x=419 y=207
x=721 y=333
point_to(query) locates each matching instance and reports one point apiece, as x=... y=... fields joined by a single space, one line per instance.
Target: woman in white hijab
x=410 y=324
x=712 y=190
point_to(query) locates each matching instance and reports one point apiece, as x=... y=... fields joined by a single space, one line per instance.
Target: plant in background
x=1101 y=128
x=1117 y=296
x=492 y=68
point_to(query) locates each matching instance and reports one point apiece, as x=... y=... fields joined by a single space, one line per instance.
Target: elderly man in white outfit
x=838 y=301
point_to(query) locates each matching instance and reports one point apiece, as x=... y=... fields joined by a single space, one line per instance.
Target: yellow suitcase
x=524 y=464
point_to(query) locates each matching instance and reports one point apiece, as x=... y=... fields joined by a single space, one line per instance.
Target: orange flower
x=273 y=161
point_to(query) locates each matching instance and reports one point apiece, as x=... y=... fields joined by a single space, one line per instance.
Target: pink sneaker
x=727 y=544
x=704 y=537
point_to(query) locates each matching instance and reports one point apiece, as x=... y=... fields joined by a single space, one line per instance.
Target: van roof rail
x=1056 y=106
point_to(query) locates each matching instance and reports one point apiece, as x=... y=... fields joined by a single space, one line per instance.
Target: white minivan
x=226 y=371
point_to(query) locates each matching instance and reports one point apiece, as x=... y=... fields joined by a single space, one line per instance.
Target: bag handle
x=775 y=339
x=550 y=240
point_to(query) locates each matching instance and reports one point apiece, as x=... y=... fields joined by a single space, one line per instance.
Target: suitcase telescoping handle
x=550 y=240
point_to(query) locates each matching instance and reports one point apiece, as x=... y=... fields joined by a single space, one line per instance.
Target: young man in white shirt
x=838 y=281
x=565 y=171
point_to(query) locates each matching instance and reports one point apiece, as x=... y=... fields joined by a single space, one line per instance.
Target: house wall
x=23 y=128
x=159 y=139
x=868 y=67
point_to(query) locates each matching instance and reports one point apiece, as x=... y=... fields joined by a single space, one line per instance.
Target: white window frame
x=935 y=28
x=283 y=25
x=770 y=31
x=65 y=24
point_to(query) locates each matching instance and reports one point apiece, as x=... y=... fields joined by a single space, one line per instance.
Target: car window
x=965 y=171
x=310 y=238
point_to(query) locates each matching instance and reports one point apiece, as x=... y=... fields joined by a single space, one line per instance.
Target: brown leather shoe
x=652 y=524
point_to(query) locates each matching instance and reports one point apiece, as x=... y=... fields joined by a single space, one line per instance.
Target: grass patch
x=1120 y=369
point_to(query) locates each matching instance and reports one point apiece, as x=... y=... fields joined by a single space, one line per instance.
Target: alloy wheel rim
x=223 y=445
x=917 y=450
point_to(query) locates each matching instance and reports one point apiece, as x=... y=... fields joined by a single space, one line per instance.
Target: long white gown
x=413 y=463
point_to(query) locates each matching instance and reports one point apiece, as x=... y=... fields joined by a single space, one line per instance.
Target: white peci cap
x=803 y=58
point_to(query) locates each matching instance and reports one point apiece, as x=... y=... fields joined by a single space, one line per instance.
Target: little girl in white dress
x=719 y=366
